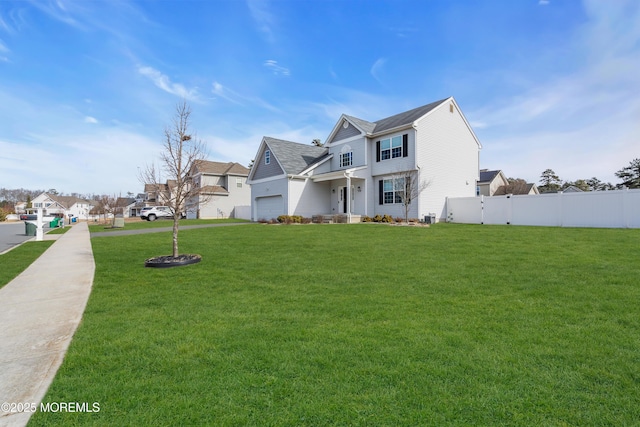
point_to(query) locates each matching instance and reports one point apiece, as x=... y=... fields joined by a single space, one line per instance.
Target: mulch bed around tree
x=167 y=261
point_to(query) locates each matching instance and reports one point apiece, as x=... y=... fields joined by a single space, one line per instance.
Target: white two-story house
x=353 y=173
x=63 y=206
x=224 y=190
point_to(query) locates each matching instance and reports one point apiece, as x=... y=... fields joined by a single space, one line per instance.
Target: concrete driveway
x=11 y=235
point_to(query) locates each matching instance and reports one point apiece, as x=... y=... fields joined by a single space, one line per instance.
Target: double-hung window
x=391 y=148
x=267 y=157
x=346 y=159
x=393 y=190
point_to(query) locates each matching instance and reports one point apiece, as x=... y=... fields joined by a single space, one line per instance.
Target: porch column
x=348 y=201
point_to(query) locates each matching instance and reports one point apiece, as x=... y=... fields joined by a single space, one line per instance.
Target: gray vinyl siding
x=343 y=133
x=265 y=171
x=358 y=148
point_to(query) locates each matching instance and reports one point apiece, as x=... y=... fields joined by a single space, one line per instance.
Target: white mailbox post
x=39 y=223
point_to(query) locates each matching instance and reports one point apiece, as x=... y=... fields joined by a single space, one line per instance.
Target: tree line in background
x=551 y=182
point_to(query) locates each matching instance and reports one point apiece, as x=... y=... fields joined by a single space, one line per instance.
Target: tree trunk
x=175 y=235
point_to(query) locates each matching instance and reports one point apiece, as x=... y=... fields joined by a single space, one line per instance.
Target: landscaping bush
x=367 y=219
x=290 y=219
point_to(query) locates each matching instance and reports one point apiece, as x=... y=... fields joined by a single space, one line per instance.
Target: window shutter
x=380 y=192
x=377 y=151
x=405 y=145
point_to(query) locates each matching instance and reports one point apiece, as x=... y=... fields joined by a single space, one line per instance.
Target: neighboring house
x=517 y=189
x=571 y=189
x=20 y=207
x=66 y=206
x=224 y=190
x=490 y=181
x=495 y=183
x=159 y=194
x=352 y=174
x=127 y=207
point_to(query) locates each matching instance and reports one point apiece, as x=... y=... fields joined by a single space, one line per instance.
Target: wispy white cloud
x=264 y=19
x=543 y=2
x=582 y=123
x=225 y=93
x=221 y=91
x=4 y=50
x=62 y=11
x=376 y=69
x=163 y=82
x=276 y=69
x=91 y=120
x=86 y=165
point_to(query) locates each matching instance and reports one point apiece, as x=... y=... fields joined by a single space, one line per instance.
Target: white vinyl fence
x=608 y=209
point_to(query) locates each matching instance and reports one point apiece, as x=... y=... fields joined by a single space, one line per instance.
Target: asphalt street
x=12 y=234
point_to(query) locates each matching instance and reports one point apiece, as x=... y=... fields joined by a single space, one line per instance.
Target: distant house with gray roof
x=354 y=173
x=495 y=183
x=62 y=206
x=225 y=193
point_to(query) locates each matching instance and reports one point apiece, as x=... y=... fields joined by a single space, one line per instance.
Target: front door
x=342 y=201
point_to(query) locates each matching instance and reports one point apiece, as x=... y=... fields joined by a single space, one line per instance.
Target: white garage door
x=269 y=207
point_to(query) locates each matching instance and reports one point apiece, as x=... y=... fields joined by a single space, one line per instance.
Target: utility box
x=430 y=218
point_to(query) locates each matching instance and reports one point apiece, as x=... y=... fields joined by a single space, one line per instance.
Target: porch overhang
x=331 y=176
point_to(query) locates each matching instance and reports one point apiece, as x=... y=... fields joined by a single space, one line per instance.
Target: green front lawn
x=159 y=223
x=360 y=325
x=18 y=259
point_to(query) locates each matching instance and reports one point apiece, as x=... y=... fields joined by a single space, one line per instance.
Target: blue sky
x=87 y=87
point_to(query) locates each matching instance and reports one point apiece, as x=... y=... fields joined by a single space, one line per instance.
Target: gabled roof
x=406 y=118
x=396 y=121
x=67 y=201
x=366 y=126
x=220 y=168
x=515 y=190
x=122 y=202
x=487 y=175
x=293 y=156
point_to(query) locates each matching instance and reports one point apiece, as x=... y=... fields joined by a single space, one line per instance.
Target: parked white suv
x=155 y=212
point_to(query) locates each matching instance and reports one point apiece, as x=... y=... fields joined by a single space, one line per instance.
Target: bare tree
x=180 y=154
x=407 y=187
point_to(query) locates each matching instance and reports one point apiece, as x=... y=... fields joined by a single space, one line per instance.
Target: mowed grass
x=18 y=259
x=159 y=223
x=360 y=325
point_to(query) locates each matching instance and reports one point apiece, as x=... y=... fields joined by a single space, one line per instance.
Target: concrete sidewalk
x=39 y=313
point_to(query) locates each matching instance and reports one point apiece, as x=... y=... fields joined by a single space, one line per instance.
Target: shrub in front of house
x=291 y=219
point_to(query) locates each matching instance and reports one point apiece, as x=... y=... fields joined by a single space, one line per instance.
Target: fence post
x=560 y=208
x=625 y=210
